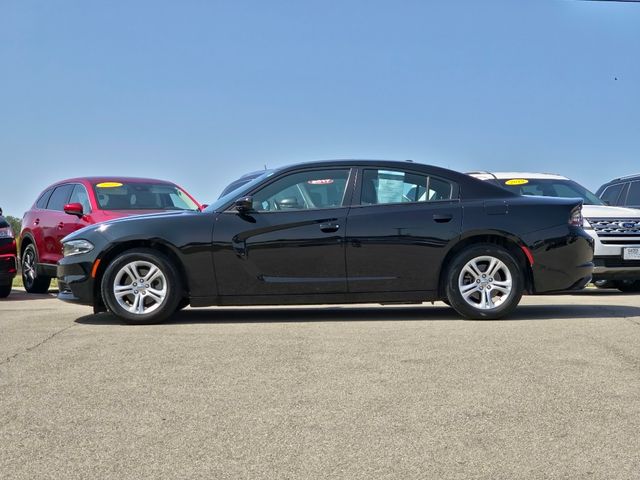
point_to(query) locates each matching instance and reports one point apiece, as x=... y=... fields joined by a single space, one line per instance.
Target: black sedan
x=329 y=232
x=7 y=257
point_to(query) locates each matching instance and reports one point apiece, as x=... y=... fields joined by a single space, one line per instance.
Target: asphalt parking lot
x=355 y=392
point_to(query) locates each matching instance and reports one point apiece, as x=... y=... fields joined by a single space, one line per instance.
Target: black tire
x=33 y=283
x=158 y=310
x=5 y=290
x=505 y=304
x=628 y=286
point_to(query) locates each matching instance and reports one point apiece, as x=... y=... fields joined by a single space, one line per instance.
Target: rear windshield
x=142 y=196
x=549 y=188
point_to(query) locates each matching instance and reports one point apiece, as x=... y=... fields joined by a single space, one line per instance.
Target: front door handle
x=61 y=225
x=442 y=218
x=329 y=227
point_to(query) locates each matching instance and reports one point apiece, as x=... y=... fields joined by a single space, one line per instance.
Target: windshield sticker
x=108 y=185
x=325 y=181
x=516 y=181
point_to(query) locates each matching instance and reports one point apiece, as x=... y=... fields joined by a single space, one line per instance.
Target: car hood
x=605 y=211
x=113 y=214
x=104 y=226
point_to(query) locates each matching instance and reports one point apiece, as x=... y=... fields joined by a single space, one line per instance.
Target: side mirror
x=244 y=204
x=74 y=209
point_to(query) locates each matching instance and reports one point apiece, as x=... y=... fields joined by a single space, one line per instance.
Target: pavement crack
x=37 y=345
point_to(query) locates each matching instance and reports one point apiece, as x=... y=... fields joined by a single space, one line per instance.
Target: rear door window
x=44 y=198
x=59 y=197
x=381 y=187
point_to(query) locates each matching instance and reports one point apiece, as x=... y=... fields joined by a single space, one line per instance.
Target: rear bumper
x=8 y=268
x=562 y=262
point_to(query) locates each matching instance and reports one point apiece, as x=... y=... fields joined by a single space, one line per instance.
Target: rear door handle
x=442 y=218
x=329 y=227
x=36 y=221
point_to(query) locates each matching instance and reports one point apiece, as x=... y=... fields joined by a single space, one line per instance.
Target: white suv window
x=633 y=197
x=611 y=194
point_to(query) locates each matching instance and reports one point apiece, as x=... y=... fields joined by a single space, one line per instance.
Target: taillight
x=576 y=218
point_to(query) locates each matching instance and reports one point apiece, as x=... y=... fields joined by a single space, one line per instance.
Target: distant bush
x=16 y=224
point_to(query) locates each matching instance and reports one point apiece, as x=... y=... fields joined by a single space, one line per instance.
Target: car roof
x=112 y=179
x=483 y=175
x=635 y=176
x=472 y=187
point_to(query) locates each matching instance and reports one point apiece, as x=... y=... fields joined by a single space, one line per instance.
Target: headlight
x=6 y=232
x=76 y=247
x=586 y=224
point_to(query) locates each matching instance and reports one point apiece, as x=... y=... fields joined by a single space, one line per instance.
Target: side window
x=303 y=191
x=633 y=198
x=80 y=195
x=393 y=186
x=439 y=189
x=44 y=198
x=59 y=197
x=610 y=194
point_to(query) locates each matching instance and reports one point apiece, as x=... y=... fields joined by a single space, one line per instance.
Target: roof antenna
x=265 y=166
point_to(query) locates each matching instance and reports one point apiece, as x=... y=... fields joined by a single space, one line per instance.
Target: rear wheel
x=33 y=283
x=628 y=286
x=142 y=287
x=484 y=282
x=5 y=290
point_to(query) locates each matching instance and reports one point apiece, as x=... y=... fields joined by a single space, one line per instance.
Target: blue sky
x=200 y=92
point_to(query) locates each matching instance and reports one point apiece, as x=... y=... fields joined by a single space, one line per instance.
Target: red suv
x=69 y=205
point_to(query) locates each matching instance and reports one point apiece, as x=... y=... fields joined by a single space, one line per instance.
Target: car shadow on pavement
x=21 y=296
x=372 y=314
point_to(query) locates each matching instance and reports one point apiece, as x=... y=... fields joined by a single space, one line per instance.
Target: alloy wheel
x=485 y=282
x=140 y=287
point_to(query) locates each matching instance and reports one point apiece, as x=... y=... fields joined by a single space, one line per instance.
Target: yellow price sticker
x=516 y=181
x=108 y=185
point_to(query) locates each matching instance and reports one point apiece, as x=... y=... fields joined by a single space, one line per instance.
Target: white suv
x=615 y=230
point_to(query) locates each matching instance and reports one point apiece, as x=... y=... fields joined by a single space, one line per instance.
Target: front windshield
x=142 y=196
x=236 y=193
x=550 y=188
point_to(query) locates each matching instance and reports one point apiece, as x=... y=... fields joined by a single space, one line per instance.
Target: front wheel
x=484 y=282
x=141 y=286
x=33 y=283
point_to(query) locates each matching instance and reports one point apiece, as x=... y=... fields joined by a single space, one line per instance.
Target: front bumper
x=609 y=263
x=615 y=268
x=75 y=283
